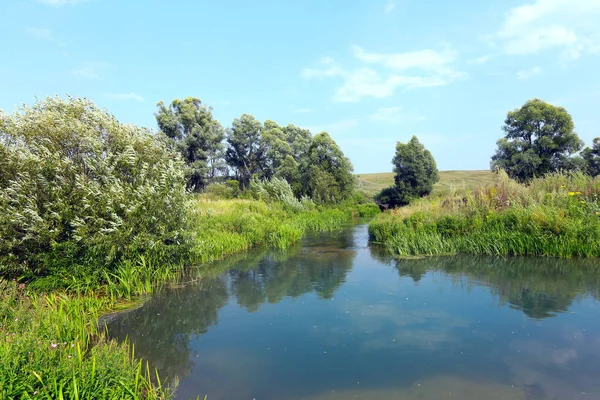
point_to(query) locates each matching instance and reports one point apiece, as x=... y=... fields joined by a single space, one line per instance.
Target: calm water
x=333 y=318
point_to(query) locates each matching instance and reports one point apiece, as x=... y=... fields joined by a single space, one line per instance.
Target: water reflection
x=540 y=287
x=166 y=323
x=333 y=318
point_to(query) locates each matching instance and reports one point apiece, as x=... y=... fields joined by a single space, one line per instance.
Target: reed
x=554 y=216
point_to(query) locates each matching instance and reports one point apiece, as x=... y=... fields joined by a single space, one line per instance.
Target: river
x=335 y=318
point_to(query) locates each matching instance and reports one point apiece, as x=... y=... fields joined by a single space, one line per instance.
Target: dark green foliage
x=197 y=136
x=78 y=187
x=415 y=174
x=290 y=171
x=592 y=158
x=327 y=174
x=539 y=139
x=245 y=152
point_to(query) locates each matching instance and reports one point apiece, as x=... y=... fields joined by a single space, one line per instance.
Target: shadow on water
x=334 y=318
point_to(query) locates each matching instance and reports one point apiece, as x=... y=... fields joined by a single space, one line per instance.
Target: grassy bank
x=51 y=346
x=449 y=181
x=555 y=216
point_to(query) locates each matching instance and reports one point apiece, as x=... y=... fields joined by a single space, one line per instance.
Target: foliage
x=276 y=190
x=197 y=136
x=327 y=173
x=592 y=158
x=539 y=139
x=245 y=153
x=78 y=187
x=415 y=174
x=558 y=216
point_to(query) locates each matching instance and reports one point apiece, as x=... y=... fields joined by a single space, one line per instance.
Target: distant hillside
x=373 y=183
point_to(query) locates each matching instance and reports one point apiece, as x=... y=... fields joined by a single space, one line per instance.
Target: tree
x=415 y=174
x=539 y=138
x=197 y=136
x=327 y=173
x=592 y=158
x=275 y=148
x=245 y=152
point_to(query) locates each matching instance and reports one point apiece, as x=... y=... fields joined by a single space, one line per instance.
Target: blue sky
x=370 y=72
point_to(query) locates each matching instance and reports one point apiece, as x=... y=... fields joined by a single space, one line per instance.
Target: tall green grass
x=554 y=216
x=51 y=347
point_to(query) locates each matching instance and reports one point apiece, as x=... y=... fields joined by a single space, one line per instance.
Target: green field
x=449 y=180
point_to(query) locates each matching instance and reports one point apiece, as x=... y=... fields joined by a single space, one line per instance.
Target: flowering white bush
x=78 y=186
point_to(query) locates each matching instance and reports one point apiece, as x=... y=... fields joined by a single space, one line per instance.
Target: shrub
x=77 y=186
x=275 y=190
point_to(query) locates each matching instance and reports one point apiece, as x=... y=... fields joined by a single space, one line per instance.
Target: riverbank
x=554 y=216
x=51 y=346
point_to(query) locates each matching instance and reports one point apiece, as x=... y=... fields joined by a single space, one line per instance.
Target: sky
x=369 y=72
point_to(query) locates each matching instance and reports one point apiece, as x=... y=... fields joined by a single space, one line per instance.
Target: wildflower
x=34 y=393
x=53 y=345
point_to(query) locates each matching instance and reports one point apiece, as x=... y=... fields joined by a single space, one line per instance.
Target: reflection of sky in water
x=337 y=320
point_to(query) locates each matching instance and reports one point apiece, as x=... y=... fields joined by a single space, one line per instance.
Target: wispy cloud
x=337 y=127
x=390 y=5
x=302 y=110
x=394 y=115
x=569 y=26
x=60 y=2
x=126 y=96
x=42 y=33
x=382 y=73
x=528 y=73
x=481 y=60
x=91 y=70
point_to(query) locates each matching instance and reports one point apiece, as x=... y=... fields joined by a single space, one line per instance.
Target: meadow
x=554 y=216
x=372 y=184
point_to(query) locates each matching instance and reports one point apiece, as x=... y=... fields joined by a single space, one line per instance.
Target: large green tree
x=245 y=149
x=415 y=174
x=326 y=172
x=539 y=138
x=197 y=135
x=592 y=158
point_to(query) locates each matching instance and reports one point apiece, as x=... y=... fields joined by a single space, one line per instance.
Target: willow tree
x=197 y=135
x=539 y=138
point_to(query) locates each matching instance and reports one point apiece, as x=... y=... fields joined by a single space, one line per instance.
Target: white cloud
x=60 y=2
x=302 y=110
x=390 y=5
x=394 y=115
x=481 y=60
x=569 y=26
x=334 y=127
x=528 y=73
x=91 y=70
x=126 y=96
x=425 y=68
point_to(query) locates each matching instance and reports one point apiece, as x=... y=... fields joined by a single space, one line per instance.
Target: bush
x=79 y=187
x=276 y=190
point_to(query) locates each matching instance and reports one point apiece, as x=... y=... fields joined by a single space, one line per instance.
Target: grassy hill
x=373 y=183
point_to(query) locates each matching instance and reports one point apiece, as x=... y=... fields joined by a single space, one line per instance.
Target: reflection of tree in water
x=540 y=287
x=320 y=267
x=162 y=328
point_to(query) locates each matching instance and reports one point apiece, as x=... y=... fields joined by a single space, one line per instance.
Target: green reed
x=555 y=216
